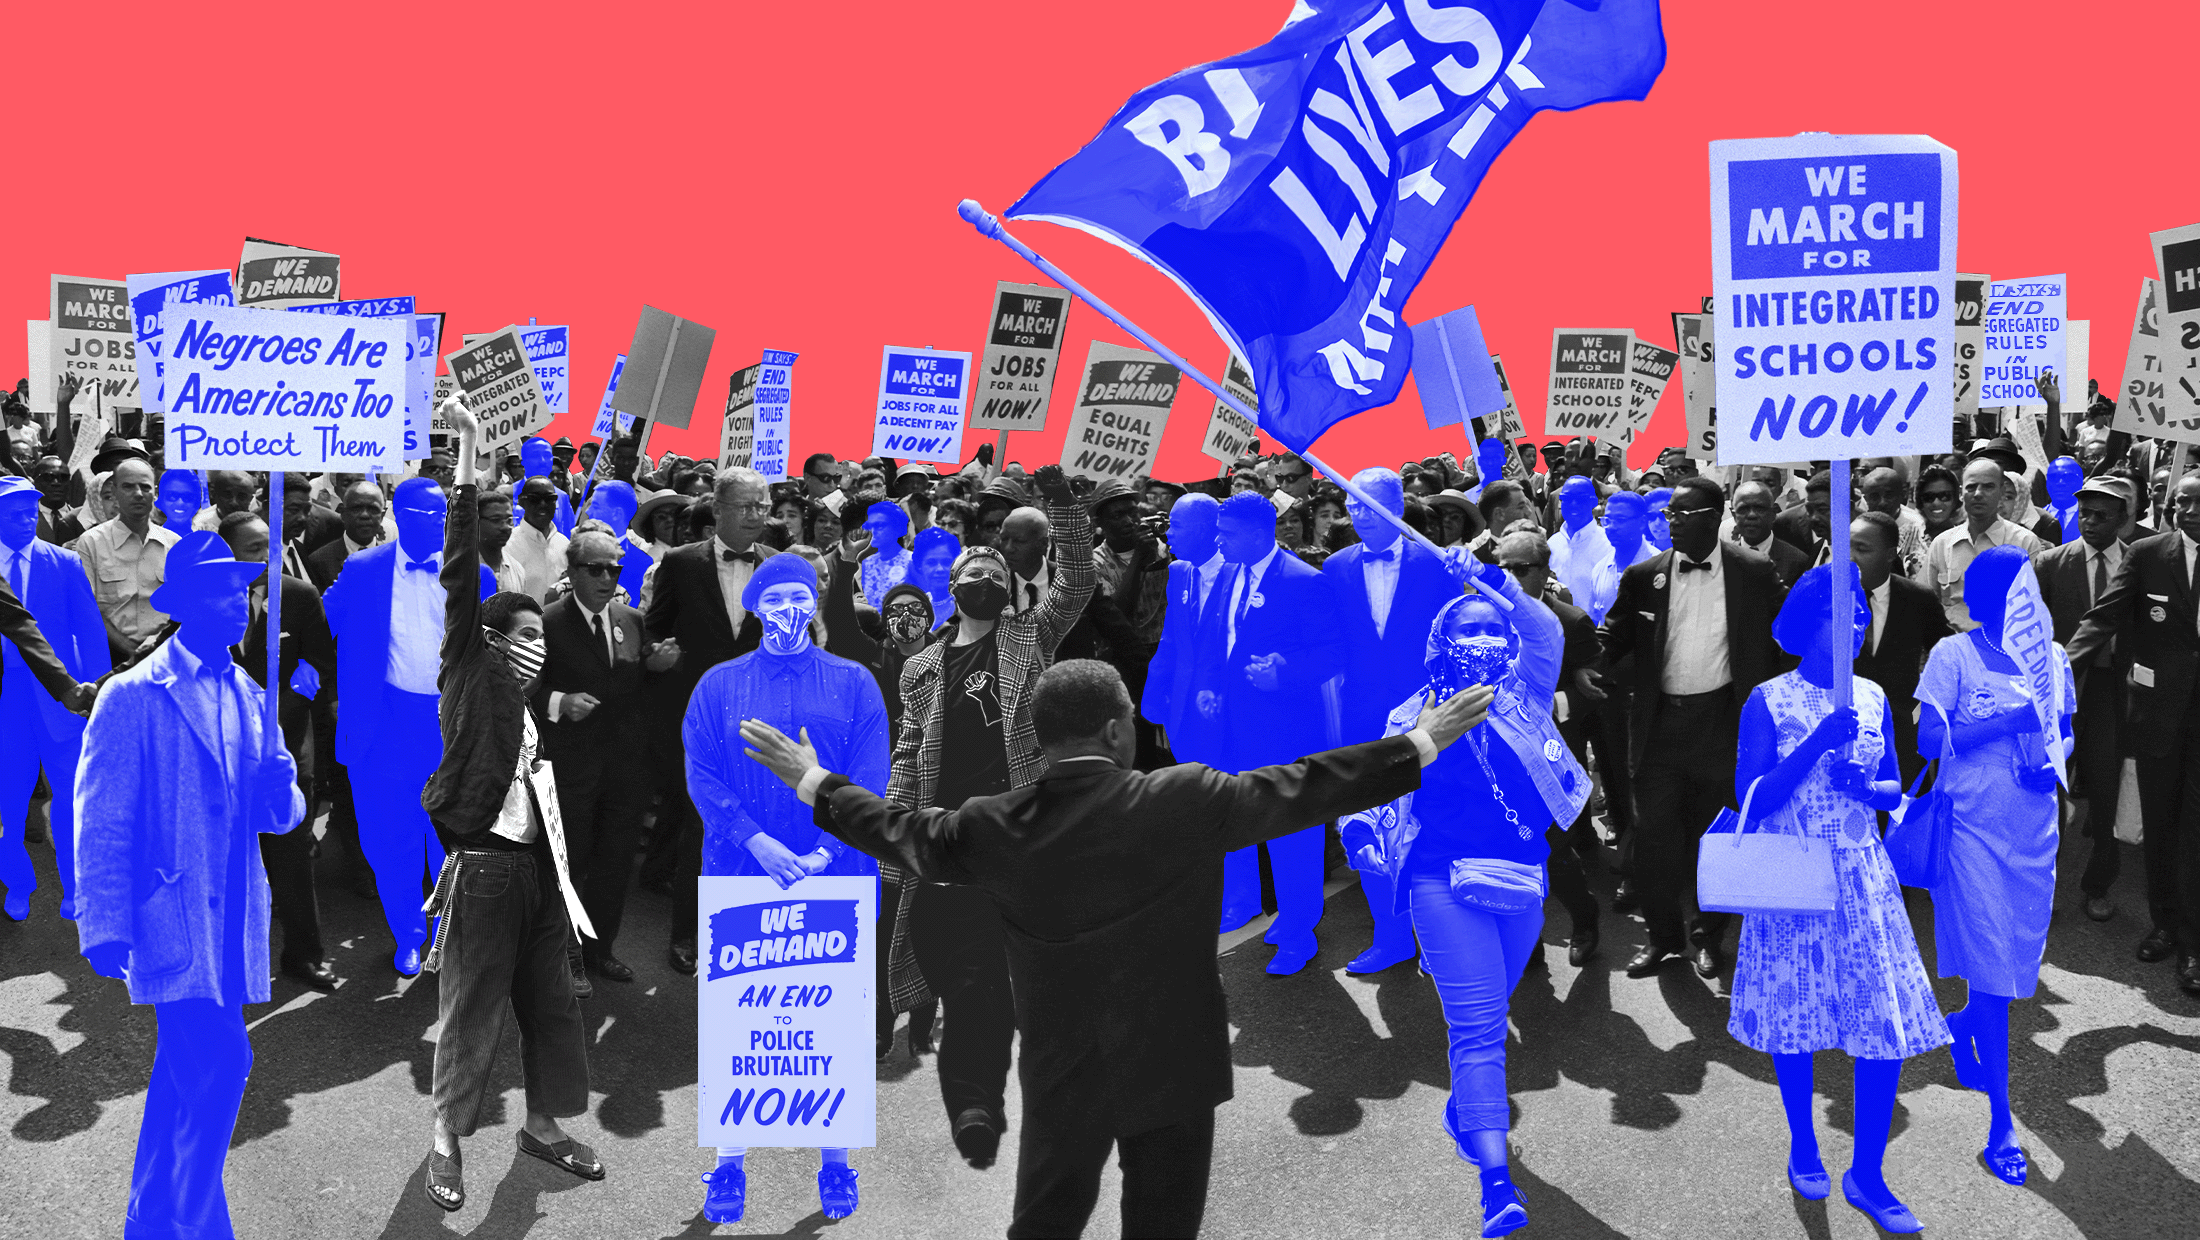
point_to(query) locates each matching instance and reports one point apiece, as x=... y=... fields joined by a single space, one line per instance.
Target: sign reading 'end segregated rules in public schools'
x=774 y=411
x=1122 y=407
x=784 y=1012
x=497 y=381
x=921 y=394
x=263 y=389
x=1833 y=265
x=1588 y=391
x=2022 y=337
x=1023 y=349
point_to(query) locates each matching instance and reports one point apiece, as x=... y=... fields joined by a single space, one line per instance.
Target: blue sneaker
x=728 y=1196
x=836 y=1189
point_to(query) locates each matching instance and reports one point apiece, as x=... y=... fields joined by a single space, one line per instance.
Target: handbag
x=1740 y=872
x=1917 y=843
x=1496 y=886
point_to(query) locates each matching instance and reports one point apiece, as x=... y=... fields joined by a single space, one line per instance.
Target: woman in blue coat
x=1465 y=854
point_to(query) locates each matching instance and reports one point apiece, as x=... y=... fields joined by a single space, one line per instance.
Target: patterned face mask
x=1479 y=660
x=525 y=656
x=787 y=626
x=905 y=622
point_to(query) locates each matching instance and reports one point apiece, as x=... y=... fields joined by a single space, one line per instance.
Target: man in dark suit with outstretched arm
x=1109 y=881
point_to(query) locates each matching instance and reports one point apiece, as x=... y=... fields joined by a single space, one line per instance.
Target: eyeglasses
x=749 y=510
x=1684 y=514
x=1288 y=479
x=598 y=571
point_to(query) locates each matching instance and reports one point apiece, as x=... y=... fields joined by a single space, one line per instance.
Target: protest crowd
x=1251 y=619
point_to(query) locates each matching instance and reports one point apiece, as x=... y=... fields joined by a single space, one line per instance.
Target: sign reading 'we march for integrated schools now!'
x=1833 y=264
x=921 y=395
x=264 y=389
x=1588 y=392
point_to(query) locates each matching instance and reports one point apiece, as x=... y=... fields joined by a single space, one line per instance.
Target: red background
x=787 y=173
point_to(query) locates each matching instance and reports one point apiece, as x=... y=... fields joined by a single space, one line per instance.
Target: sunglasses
x=598 y=571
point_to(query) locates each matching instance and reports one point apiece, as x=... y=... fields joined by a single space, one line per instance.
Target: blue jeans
x=1475 y=958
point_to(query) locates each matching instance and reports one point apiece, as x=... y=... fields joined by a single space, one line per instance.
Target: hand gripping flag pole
x=987 y=225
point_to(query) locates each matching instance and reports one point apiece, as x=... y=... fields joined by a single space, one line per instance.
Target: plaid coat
x=1025 y=646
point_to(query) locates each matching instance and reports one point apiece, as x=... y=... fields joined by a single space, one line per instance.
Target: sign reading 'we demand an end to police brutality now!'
x=1833 y=266
x=265 y=389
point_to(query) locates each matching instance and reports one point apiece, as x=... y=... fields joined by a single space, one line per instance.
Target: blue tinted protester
x=1660 y=533
x=1581 y=554
x=65 y=641
x=386 y=610
x=177 y=784
x=887 y=563
x=755 y=825
x=1465 y=854
x=1852 y=980
x=931 y=564
x=537 y=459
x=179 y=500
x=1265 y=696
x=1990 y=912
x=509 y=910
x=614 y=504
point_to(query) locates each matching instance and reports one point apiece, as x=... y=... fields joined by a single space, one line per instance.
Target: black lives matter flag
x=1023 y=349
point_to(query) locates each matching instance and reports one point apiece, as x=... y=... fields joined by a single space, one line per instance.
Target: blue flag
x=1298 y=191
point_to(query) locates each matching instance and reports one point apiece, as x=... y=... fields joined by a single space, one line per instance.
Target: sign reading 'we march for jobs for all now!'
x=264 y=389
x=1833 y=264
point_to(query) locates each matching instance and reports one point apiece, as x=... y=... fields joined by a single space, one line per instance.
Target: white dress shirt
x=1029 y=592
x=539 y=556
x=1248 y=585
x=516 y=819
x=2110 y=558
x=733 y=577
x=1881 y=598
x=1382 y=580
x=1208 y=573
x=416 y=624
x=1695 y=628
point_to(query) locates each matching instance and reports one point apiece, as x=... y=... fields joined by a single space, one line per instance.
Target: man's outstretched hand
x=788 y=759
x=1448 y=720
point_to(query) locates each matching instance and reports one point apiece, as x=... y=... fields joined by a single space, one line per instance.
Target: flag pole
x=984 y=221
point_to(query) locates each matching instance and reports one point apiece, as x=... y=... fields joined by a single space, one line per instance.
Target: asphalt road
x=1635 y=1114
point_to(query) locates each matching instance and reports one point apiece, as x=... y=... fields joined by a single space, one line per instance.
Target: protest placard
x=497 y=382
x=549 y=351
x=1452 y=371
x=1969 y=334
x=150 y=297
x=737 y=435
x=92 y=338
x=774 y=407
x=261 y=389
x=1833 y=269
x=2023 y=335
x=606 y=416
x=38 y=360
x=784 y=1012
x=1649 y=372
x=668 y=357
x=1229 y=435
x=1693 y=333
x=2177 y=261
x=445 y=388
x=2148 y=403
x=1588 y=388
x=271 y=275
x=1509 y=418
x=359 y=308
x=1023 y=349
x=921 y=397
x=1122 y=407
x=423 y=332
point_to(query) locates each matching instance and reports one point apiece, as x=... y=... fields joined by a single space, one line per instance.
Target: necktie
x=1690 y=566
x=1383 y=557
x=731 y=556
x=419 y=566
x=1031 y=596
x=294 y=561
x=2100 y=574
x=595 y=623
x=18 y=580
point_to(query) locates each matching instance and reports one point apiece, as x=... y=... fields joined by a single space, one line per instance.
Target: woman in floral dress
x=1850 y=980
x=1990 y=912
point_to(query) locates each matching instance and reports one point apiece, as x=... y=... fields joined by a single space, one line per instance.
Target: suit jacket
x=305 y=638
x=1915 y=623
x=322 y=526
x=1191 y=637
x=2062 y=572
x=1581 y=651
x=686 y=604
x=325 y=562
x=2148 y=614
x=357 y=606
x=1383 y=670
x=1788 y=562
x=577 y=664
x=56 y=634
x=1634 y=634
x=1792 y=526
x=156 y=818
x=59 y=528
x=1110 y=883
x=1286 y=615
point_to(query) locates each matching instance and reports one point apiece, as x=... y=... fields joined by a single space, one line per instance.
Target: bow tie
x=730 y=556
x=1690 y=566
x=1384 y=557
x=419 y=566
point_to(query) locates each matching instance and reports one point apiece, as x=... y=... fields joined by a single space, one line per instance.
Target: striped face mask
x=525 y=656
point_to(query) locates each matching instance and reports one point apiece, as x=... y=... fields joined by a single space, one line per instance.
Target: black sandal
x=568 y=1155
x=448 y=1175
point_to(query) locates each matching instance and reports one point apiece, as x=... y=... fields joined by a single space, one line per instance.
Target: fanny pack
x=1497 y=886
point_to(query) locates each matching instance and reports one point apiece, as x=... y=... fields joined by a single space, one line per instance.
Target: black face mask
x=981 y=598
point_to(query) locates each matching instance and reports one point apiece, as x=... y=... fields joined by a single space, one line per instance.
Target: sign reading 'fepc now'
x=1833 y=278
